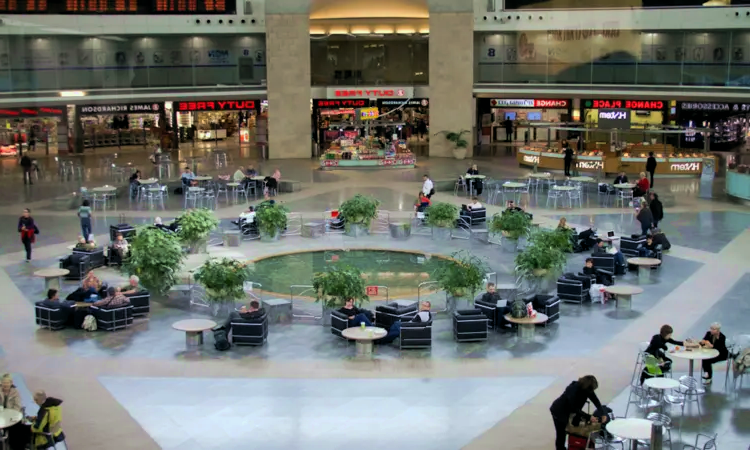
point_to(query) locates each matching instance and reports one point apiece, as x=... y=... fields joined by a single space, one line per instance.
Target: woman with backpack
x=572 y=402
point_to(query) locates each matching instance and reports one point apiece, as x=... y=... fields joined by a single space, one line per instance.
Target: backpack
x=89 y=323
x=221 y=343
x=518 y=309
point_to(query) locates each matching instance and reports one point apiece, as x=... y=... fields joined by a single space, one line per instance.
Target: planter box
x=279 y=310
x=232 y=238
x=313 y=229
x=509 y=245
x=198 y=247
x=269 y=238
x=441 y=234
x=400 y=230
x=356 y=230
x=326 y=320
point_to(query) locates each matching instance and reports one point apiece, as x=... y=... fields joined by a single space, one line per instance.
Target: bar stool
x=222 y=188
x=624 y=195
x=235 y=187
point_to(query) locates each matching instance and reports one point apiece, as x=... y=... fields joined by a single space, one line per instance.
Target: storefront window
x=588 y=4
x=38 y=63
x=613 y=56
x=353 y=60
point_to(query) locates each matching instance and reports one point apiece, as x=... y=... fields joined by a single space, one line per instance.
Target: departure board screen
x=118 y=6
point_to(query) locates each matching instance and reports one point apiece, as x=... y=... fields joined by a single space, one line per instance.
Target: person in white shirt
x=427 y=187
x=474 y=204
x=248 y=216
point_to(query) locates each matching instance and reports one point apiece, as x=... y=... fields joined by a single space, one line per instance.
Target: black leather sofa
x=250 y=332
x=604 y=261
x=489 y=309
x=573 y=289
x=141 y=302
x=629 y=245
x=96 y=257
x=51 y=318
x=340 y=321
x=546 y=304
x=127 y=231
x=386 y=315
x=416 y=335
x=77 y=264
x=469 y=325
x=112 y=319
x=474 y=216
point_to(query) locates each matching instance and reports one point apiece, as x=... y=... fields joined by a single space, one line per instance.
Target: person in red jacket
x=641 y=186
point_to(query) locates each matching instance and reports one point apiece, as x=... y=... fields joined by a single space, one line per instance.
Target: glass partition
x=630 y=4
x=613 y=56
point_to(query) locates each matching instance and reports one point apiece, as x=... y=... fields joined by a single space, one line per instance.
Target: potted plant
x=400 y=230
x=224 y=280
x=512 y=225
x=461 y=276
x=271 y=219
x=156 y=258
x=457 y=141
x=442 y=218
x=358 y=213
x=195 y=226
x=537 y=265
x=335 y=286
x=557 y=238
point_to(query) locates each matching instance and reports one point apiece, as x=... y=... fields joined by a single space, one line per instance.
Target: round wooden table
x=633 y=429
x=9 y=417
x=623 y=294
x=52 y=277
x=644 y=267
x=194 y=329
x=692 y=355
x=363 y=338
x=527 y=325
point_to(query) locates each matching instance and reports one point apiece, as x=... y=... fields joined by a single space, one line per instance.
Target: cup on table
x=362 y=324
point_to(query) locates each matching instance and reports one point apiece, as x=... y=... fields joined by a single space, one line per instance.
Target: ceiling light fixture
x=72 y=94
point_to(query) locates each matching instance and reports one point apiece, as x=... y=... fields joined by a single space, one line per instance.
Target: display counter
x=666 y=165
x=212 y=135
x=364 y=153
x=738 y=185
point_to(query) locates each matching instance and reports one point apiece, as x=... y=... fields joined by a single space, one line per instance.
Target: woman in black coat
x=568 y=158
x=476 y=182
x=657 y=209
x=716 y=340
x=658 y=347
x=572 y=402
x=28 y=230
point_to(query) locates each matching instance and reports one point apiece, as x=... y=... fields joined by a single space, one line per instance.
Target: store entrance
x=507 y=120
x=119 y=125
x=33 y=129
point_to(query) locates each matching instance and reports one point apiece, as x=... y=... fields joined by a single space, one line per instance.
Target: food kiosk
x=351 y=151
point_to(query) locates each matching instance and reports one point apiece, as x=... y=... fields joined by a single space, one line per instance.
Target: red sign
x=334 y=258
x=340 y=103
x=649 y=105
x=216 y=105
x=369 y=93
x=372 y=290
x=330 y=163
x=395 y=162
x=554 y=103
x=32 y=112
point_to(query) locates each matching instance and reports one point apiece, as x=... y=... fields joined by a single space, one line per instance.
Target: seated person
x=511 y=206
x=422 y=202
x=716 y=340
x=53 y=302
x=621 y=178
x=250 y=312
x=188 y=178
x=648 y=249
x=491 y=296
x=562 y=225
x=641 y=186
x=247 y=216
x=119 y=250
x=84 y=245
x=239 y=175
x=47 y=420
x=133 y=286
x=251 y=172
x=660 y=239
x=91 y=285
x=356 y=316
x=657 y=348
x=610 y=249
x=595 y=291
x=158 y=224
x=114 y=299
x=423 y=316
x=474 y=204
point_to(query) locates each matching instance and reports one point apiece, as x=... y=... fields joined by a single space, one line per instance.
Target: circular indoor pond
x=401 y=272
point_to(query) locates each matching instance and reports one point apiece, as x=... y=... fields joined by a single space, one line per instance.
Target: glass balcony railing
x=610 y=4
x=612 y=56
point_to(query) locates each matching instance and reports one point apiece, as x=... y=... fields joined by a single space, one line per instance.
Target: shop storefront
x=524 y=117
x=117 y=125
x=36 y=129
x=642 y=113
x=212 y=120
x=413 y=115
x=729 y=124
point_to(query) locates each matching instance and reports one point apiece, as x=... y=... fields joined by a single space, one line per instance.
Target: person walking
x=26 y=166
x=568 y=156
x=84 y=213
x=645 y=217
x=651 y=166
x=28 y=230
x=657 y=209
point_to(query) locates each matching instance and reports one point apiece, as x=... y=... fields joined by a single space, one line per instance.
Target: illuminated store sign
x=410 y=102
x=590 y=165
x=722 y=107
x=531 y=159
x=44 y=111
x=685 y=167
x=368 y=113
x=373 y=92
x=614 y=118
x=216 y=105
x=340 y=103
x=643 y=105
x=529 y=103
x=122 y=109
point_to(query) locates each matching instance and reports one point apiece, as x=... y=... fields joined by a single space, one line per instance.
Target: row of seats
x=106 y=319
x=546 y=304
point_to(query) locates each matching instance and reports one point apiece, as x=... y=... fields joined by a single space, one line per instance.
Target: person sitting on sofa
x=611 y=250
x=492 y=297
x=596 y=291
x=91 y=285
x=119 y=250
x=133 y=286
x=356 y=315
x=474 y=204
x=648 y=249
x=250 y=312
x=423 y=316
x=422 y=202
x=511 y=206
x=53 y=302
x=114 y=299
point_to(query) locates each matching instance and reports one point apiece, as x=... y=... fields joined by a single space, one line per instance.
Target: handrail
x=308 y=287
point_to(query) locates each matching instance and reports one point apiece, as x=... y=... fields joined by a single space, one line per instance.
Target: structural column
x=451 y=72
x=288 y=75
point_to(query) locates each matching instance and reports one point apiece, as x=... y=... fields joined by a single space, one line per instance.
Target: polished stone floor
x=141 y=389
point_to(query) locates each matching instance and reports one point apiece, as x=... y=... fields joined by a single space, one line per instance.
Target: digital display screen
x=510 y=116
x=614 y=118
x=118 y=6
x=534 y=115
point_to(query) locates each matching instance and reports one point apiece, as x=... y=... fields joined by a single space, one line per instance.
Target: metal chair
x=623 y=196
x=209 y=198
x=692 y=390
x=738 y=343
x=600 y=441
x=460 y=184
x=576 y=195
x=193 y=196
x=666 y=423
x=221 y=188
x=641 y=398
x=708 y=444
x=639 y=362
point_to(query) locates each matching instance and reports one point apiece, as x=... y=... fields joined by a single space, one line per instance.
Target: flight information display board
x=118 y=6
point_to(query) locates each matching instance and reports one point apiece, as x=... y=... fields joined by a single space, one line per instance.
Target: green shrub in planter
x=557 y=238
x=537 y=261
x=360 y=210
x=442 y=215
x=511 y=224
x=223 y=279
x=156 y=258
x=196 y=225
x=463 y=274
x=335 y=286
x=271 y=218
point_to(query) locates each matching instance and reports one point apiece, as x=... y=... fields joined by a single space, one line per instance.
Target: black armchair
x=96 y=257
x=127 y=231
x=250 y=332
x=601 y=276
x=51 y=318
x=339 y=323
x=141 y=302
x=77 y=264
x=571 y=290
x=386 y=315
x=546 y=304
x=584 y=279
x=489 y=309
x=112 y=319
x=629 y=245
x=469 y=325
x=604 y=261
x=416 y=335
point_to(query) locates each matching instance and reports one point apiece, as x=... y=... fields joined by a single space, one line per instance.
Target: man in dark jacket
x=621 y=178
x=254 y=311
x=651 y=166
x=572 y=402
x=53 y=302
x=26 y=166
x=657 y=209
x=355 y=315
